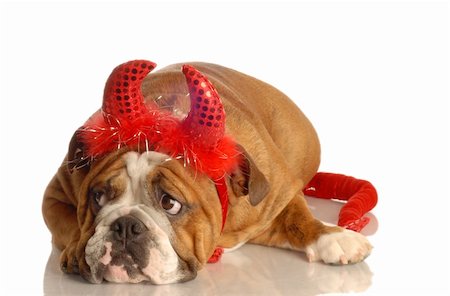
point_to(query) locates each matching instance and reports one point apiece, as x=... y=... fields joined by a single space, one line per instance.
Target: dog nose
x=127 y=228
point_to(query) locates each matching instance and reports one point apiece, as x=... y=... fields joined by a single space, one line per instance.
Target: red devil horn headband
x=122 y=98
x=206 y=120
x=126 y=120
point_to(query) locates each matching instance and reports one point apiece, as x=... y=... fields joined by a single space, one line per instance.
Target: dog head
x=149 y=215
x=146 y=217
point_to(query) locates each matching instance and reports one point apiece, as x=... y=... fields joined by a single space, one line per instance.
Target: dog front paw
x=342 y=247
x=68 y=260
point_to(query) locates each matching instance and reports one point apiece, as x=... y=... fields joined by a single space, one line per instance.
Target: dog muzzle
x=132 y=244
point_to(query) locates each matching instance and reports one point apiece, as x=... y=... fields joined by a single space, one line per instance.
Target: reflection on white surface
x=250 y=270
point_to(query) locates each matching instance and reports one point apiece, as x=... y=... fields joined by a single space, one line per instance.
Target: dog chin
x=128 y=246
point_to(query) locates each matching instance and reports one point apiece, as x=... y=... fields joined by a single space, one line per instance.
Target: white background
x=373 y=77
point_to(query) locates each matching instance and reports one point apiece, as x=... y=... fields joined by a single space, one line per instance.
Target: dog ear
x=249 y=180
x=76 y=158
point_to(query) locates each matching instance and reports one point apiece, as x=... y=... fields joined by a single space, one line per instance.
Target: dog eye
x=169 y=204
x=99 y=197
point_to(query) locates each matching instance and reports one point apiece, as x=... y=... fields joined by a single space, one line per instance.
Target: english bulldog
x=156 y=180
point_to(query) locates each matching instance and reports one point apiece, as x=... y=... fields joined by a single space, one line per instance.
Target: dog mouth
x=130 y=247
x=122 y=266
x=119 y=266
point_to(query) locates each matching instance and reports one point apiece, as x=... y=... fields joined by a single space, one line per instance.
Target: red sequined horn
x=206 y=120
x=122 y=98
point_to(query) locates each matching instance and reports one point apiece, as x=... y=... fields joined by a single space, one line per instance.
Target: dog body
x=133 y=216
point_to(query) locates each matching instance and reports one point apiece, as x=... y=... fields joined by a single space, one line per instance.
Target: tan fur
x=279 y=139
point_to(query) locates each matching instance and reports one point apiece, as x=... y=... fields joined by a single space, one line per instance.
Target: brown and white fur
x=132 y=216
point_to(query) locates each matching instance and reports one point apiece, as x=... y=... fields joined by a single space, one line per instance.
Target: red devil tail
x=360 y=195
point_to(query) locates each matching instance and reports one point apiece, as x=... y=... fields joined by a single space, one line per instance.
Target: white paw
x=339 y=248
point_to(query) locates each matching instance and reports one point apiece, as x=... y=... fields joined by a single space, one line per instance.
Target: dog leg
x=295 y=228
x=61 y=219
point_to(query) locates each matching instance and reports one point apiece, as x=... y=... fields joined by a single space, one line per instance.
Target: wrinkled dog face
x=140 y=212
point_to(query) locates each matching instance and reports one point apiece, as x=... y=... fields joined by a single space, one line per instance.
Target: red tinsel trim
x=159 y=131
